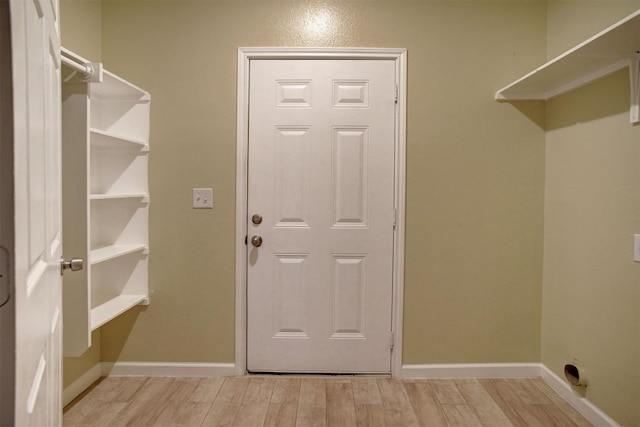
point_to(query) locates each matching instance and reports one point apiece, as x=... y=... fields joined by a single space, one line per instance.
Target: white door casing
x=332 y=222
x=38 y=238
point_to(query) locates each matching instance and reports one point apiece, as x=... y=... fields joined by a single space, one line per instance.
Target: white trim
x=144 y=369
x=588 y=410
x=400 y=206
x=168 y=369
x=472 y=370
x=319 y=53
x=245 y=55
x=242 y=135
x=512 y=370
x=81 y=384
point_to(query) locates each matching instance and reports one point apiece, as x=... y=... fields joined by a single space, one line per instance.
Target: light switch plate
x=203 y=198
x=636 y=247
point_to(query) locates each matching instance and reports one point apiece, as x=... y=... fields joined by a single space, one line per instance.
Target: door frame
x=245 y=56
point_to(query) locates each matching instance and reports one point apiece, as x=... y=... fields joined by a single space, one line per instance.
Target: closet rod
x=84 y=69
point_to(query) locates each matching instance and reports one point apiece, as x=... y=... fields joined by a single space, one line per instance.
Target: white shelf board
x=105 y=140
x=612 y=49
x=106 y=253
x=143 y=196
x=117 y=89
x=113 y=308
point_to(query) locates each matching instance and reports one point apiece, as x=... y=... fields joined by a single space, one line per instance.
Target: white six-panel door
x=38 y=244
x=321 y=177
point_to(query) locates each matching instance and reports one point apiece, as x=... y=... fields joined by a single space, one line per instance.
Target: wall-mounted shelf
x=144 y=198
x=105 y=137
x=610 y=50
x=104 y=140
x=114 y=307
x=114 y=88
x=107 y=253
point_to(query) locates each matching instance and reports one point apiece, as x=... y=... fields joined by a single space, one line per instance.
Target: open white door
x=321 y=215
x=35 y=49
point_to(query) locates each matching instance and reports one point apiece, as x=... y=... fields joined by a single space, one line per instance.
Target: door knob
x=74 y=264
x=256 y=241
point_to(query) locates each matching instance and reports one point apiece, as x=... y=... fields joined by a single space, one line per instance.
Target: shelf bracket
x=634 y=74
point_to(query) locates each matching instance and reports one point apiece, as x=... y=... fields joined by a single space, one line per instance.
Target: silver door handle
x=256 y=241
x=74 y=264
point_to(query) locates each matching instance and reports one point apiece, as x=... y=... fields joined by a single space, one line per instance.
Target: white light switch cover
x=203 y=198
x=636 y=247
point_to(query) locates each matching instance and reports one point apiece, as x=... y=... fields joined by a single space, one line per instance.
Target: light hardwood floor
x=319 y=401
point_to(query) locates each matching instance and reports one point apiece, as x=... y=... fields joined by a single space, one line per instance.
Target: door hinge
x=395 y=94
x=392 y=341
x=395 y=218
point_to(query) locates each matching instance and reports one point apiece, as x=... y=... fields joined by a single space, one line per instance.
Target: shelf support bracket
x=634 y=74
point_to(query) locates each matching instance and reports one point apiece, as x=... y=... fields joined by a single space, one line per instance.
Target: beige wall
x=75 y=367
x=474 y=169
x=591 y=292
x=570 y=22
x=81 y=27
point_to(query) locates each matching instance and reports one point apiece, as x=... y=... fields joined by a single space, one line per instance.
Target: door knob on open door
x=256 y=241
x=74 y=264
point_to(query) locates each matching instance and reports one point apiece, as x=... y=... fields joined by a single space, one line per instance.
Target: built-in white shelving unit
x=105 y=201
x=612 y=49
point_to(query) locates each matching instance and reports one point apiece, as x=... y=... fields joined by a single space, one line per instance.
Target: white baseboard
x=472 y=370
x=513 y=370
x=590 y=411
x=145 y=369
x=161 y=369
x=81 y=384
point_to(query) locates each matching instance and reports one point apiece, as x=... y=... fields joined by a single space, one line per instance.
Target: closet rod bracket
x=95 y=72
x=87 y=72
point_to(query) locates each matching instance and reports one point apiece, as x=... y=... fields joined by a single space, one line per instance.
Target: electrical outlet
x=203 y=198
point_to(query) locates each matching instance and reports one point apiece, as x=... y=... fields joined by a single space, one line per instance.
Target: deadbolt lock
x=256 y=219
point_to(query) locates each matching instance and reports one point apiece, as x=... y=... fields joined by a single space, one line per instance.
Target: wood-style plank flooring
x=319 y=401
